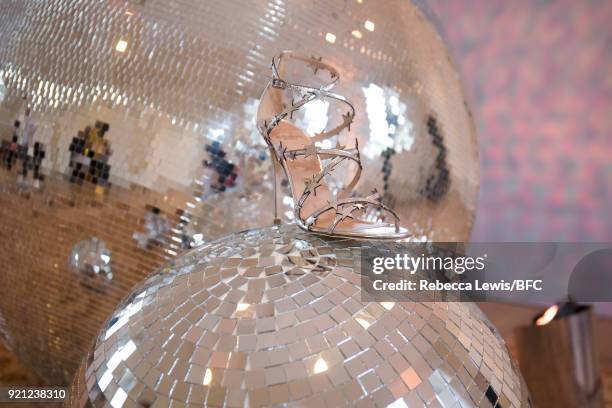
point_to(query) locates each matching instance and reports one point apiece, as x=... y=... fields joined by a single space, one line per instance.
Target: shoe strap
x=316 y=63
x=344 y=208
x=313 y=150
x=315 y=181
x=307 y=94
x=337 y=156
x=310 y=95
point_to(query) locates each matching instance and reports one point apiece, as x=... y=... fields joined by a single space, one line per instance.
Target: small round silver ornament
x=91 y=258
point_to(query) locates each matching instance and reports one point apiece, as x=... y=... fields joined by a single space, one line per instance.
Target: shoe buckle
x=278 y=83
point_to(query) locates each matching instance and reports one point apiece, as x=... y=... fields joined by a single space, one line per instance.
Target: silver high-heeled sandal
x=315 y=207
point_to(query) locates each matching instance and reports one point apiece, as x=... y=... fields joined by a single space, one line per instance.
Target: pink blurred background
x=539 y=78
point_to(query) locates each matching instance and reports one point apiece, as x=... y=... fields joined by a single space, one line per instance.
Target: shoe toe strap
x=345 y=208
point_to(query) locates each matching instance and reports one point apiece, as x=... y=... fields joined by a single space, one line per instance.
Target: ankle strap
x=306 y=94
x=317 y=64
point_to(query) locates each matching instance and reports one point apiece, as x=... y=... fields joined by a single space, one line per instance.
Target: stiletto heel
x=275 y=166
x=300 y=156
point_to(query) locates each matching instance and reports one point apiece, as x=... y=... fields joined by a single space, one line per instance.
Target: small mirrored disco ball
x=91 y=258
x=274 y=316
x=144 y=114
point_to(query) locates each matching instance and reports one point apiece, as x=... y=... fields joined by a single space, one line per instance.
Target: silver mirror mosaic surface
x=176 y=84
x=274 y=316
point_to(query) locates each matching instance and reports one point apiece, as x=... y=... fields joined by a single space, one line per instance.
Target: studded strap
x=307 y=94
x=345 y=208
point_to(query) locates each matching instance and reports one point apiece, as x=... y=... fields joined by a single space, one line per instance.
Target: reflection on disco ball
x=143 y=105
x=156 y=227
x=274 y=316
x=2 y=88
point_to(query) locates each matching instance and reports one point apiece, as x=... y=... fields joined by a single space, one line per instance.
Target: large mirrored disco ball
x=136 y=129
x=273 y=316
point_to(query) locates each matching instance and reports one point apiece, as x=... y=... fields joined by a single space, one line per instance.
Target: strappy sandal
x=301 y=155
